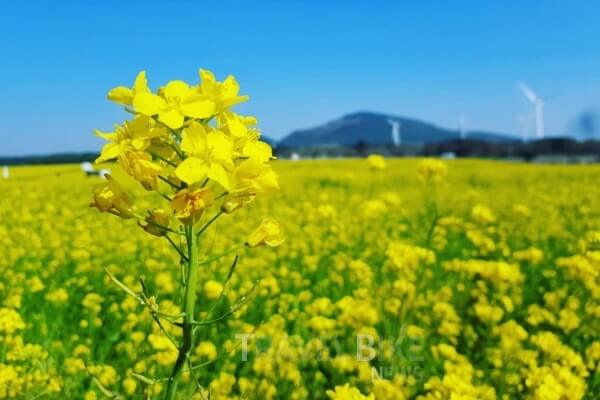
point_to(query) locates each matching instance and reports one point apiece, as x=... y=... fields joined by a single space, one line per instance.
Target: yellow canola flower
x=254 y=176
x=322 y=324
x=58 y=296
x=268 y=232
x=432 y=170
x=483 y=214
x=335 y=278
x=246 y=138
x=124 y=95
x=139 y=165
x=174 y=102
x=171 y=138
x=110 y=197
x=36 y=285
x=225 y=94
x=347 y=392
x=134 y=135
x=376 y=161
x=183 y=143
x=93 y=302
x=129 y=385
x=10 y=321
x=210 y=154
x=157 y=222
x=236 y=125
x=256 y=150
x=105 y=374
x=89 y=395
x=212 y=289
x=189 y=204
x=207 y=350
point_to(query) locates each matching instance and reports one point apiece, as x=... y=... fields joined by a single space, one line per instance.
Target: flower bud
x=234 y=203
x=157 y=222
x=268 y=232
x=190 y=204
x=110 y=197
x=140 y=166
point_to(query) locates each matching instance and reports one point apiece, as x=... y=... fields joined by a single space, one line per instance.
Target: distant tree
x=361 y=148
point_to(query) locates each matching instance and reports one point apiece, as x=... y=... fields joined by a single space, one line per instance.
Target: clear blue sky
x=302 y=62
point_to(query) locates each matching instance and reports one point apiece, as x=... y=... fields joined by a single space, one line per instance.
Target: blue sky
x=302 y=63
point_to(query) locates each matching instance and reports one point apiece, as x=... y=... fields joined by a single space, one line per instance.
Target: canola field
x=479 y=282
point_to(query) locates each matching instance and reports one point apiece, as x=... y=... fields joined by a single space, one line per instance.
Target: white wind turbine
x=396 y=139
x=461 y=127
x=522 y=120
x=538 y=105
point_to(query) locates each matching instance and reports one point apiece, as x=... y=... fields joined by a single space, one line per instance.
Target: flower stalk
x=188 y=318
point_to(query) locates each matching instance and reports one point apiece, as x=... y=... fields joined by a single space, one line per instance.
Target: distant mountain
x=585 y=126
x=491 y=137
x=375 y=129
x=57 y=158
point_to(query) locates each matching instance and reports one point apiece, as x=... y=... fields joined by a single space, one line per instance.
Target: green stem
x=209 y=260
x=209 y=223
x=168 y=182
x=432 y=210
x=188 y=319
x=176 y=247
x=171 y=163
x=164 y=196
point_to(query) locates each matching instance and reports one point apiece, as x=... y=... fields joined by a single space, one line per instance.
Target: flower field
x=398 y=279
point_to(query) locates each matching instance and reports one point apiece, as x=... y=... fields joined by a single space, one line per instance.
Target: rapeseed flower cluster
x=185 y=144
x=185 y=140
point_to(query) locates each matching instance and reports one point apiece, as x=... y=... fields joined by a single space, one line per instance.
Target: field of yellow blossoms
x=398 y=279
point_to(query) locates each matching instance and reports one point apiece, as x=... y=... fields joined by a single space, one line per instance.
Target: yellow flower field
x=397 y=279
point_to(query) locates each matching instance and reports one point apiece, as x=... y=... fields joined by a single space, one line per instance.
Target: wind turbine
x=461 y=127
x=396 y=139
x=538 y=105
x=522 y=119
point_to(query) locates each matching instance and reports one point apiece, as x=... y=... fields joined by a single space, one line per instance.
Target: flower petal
x=109 y=151
x=199 y=109
x=121 y=95
x=194 y=139
x=236 y=127
x=218 y=174
x=221 y=148
x=141 y=83
x=191 y=170
x=176 y=90
x=104 y=135
x=148 y=103
x=171 y=118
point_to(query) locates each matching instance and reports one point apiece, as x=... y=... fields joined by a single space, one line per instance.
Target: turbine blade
x=531 y=96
